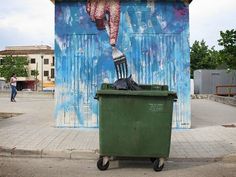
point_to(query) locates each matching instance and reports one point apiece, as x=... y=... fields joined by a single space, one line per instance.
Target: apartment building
x=41 y=60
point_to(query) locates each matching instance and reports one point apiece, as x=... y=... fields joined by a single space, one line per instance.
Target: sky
x=31 y=22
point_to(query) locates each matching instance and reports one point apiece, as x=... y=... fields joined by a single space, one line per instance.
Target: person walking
x=13 y=81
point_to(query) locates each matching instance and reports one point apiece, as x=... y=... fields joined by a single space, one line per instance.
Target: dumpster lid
x=107 y=86
x=148 y=93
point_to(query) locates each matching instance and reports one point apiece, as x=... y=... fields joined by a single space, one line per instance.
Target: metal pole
x=36 y=77
x=42 y=70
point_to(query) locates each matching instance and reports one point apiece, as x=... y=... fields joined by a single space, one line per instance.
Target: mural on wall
x=98 y=9
x=152 y=34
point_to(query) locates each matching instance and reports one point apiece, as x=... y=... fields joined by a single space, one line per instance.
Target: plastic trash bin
x=135 y=123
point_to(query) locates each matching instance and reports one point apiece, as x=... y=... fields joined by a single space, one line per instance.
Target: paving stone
x=34 y=131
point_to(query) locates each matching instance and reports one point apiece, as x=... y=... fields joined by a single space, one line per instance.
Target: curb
x=94 y=155
x=197 y=159
x=221 y=99
x=65 y=154
x=229 y=158
x=33 y=94
x=13 y=152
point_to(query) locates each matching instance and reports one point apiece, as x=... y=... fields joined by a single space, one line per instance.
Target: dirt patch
x=229 y=126
x=6 y=115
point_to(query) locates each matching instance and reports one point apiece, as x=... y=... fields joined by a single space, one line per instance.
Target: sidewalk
x=33 y=133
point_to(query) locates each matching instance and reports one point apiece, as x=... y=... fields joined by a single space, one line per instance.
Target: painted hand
x=97 y=10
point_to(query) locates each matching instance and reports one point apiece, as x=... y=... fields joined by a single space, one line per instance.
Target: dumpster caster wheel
x=100 y=164
x=158 y=164
x=152 y=159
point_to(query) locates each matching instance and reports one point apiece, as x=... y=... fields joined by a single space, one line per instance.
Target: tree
x=34 y=73
x=10 y=65
x=202 y=57
x=228 y=53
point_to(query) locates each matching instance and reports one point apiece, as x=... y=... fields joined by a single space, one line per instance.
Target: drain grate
x=229 y=126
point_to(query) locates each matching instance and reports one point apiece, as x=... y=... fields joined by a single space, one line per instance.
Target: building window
x=53 y=61
x=32 y=60
x=52 y=73
x=46 y=73
x=32 y=72
x=46 y=61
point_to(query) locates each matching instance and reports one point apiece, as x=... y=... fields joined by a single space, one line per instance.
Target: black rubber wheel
x=101 y=166
x=152 y=159
x=156 y=165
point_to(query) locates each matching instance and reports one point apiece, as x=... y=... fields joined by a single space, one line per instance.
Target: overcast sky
x=31 y=22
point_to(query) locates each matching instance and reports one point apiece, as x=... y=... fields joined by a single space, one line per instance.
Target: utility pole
x=42 y=62
x=36 y=77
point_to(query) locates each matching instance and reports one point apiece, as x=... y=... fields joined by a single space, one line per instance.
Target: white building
x=41 y=59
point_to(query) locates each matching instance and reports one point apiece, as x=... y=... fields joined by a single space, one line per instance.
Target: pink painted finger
x=100 y=14
x=114 y=21
x=88 y=7
x=100 y=9
x=97 y=10
x=92 y=9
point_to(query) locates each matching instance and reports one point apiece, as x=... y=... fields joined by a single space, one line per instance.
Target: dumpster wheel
x=103 y=163
x=152 y=159
x=158 y=164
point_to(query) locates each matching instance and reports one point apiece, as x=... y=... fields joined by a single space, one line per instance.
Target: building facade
x=41 y=60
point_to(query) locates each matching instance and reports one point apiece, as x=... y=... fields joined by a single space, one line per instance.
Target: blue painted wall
x=154 y=37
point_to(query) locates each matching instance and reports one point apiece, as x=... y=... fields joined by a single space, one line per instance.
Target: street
x=70 y=152
x=30 y=167
x=51 y=167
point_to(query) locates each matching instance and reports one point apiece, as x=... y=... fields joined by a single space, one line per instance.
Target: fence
x=226 y=90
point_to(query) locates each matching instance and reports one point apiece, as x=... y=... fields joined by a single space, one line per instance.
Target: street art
x=106 y=14
x=152 y=34
x=97 y=9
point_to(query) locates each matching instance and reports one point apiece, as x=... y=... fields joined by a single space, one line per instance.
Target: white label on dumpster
x=156 y=107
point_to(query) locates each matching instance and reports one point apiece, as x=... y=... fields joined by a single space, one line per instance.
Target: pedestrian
x=13 y=81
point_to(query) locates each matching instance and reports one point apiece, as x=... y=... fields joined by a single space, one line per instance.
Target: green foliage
x=34 y=73
x=202 y=57
x=10 y=65
x=228 y=53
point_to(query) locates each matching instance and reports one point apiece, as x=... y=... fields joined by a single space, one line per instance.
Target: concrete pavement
x=54 y=167
x=33 y=133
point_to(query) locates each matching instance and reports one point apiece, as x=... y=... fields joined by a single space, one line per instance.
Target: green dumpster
x=135 y=123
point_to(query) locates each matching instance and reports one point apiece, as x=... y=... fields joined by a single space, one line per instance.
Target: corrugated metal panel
x=154 y=58
x=205 y=81
x=77 y=82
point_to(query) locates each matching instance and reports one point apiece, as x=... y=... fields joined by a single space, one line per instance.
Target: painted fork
x=119 y=58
